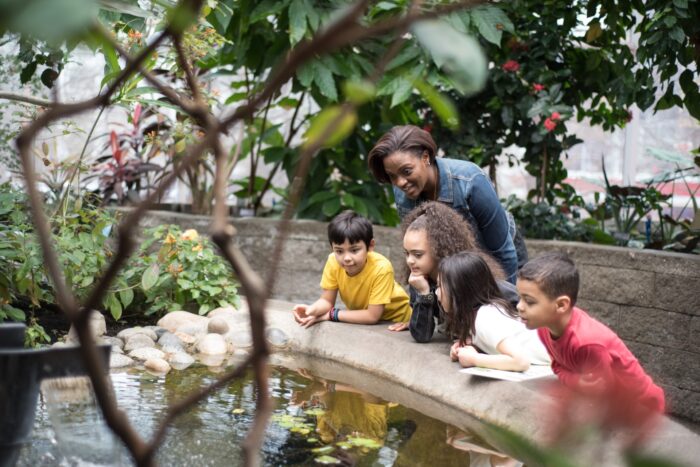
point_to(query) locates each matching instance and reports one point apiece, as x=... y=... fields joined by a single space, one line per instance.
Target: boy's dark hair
x=402 y=138
x=350 y=226
x=554 y=273
x=468 y=283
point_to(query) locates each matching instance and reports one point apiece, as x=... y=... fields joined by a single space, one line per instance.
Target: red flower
x=511 y=66
x=537 y=87
x=137 y=114
x=550 y=124
x=556 y=116
x=116 y=150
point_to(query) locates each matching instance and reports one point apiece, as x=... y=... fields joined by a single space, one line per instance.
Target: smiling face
x=352 y=257
x=419 y=257
x=535 y=308
x=409 y=173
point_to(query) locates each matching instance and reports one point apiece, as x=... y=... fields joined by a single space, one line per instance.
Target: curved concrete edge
x=421 y=376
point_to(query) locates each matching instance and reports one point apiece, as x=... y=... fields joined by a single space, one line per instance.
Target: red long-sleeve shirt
x=586 y=347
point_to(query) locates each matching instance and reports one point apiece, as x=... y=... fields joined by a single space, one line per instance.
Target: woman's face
x=408 y=172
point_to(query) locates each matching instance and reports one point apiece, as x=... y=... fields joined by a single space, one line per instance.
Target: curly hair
x=448 y=233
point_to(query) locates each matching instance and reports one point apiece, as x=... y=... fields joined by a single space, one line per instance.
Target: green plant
x=179 y=270
x=35 y=335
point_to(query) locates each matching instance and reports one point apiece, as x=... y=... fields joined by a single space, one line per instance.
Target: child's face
x=418 y=256
x=442 y=296
x=352 y=256
x=536 y=309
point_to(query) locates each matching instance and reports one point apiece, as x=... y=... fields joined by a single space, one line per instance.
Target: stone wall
x=651 y=299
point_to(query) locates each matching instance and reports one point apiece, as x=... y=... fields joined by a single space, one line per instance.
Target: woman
x=405 y=157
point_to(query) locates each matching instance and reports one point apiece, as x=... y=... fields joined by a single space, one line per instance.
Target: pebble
x=137 y=341
x=175 y=319
x=157 y=364
x=217 y=325
x=145 y=353
x=117 y=360
x=212 y=344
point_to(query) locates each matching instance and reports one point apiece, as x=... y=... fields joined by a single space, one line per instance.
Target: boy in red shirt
x=587 y=356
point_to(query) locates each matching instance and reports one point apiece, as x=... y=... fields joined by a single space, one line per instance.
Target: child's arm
x=307 y=315
x=593 y=370
x=371 y=315
x=511 y=358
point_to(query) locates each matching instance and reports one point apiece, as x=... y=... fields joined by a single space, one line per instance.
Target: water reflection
x=314 y=420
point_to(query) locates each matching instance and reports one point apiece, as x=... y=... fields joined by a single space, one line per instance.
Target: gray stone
x=157 y=329
x=186 y=338
x=113 y=341
x=678 y=368
x=117 y=360
x=606 y=313
x=137 y=341
x=193 y=329
x=168 y=349
x=212 y=360
x=125 y=334
x=677 y=293
x=173 y=320
x=683 y=402
x=97 y=325
x=692 y=344
x=217 y=325
x=276 y=337
x=180 y=360
x=157 y=364
x=623 y=286
x=145 y=353
x=116 y=349
x=170 y=339
x=212 y=344
x=239 y=339
x=653 y=326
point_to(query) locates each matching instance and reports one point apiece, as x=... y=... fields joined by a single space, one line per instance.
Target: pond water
x=314 y=421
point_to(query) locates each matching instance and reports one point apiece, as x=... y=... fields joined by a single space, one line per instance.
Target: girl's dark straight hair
x=469 y=284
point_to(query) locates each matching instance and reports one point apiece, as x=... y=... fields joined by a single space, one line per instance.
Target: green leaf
x=403 y=91
x=330 y=127
x=52 y=20
x=150 y=276
x=297 y=21
x=27 y=73
x=305 y=75
x=265 y=9
x=325 y=82
x=491 y=22
x=14 y=313
x=327 y=460
x=459 y=55
x=359 y=91
x=331 y=207
x=442 y=105
x=126 y=296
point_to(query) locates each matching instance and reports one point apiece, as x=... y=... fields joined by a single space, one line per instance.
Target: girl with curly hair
x=432 y=232
x=490 y=333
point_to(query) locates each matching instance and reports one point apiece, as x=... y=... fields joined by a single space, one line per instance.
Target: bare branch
x=189 y=75
x=28 y=100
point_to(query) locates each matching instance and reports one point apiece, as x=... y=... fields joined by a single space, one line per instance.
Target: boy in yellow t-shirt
x=364 y=278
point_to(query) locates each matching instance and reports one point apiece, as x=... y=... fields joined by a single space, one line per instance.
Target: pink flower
x=137 y=113
x=116 y=150
x=537 y=87
x=511 y=66
x=555 y=116
x=550 y=124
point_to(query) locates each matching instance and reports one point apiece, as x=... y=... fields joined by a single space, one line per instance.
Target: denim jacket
x=467 y=189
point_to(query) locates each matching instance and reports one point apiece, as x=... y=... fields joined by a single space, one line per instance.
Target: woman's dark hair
x=350 y=226
x=468 y=283
x=448 y=233
x=404 y=138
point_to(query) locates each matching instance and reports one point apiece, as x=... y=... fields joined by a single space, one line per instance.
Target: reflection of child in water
x=479 y=455
x=347 y=411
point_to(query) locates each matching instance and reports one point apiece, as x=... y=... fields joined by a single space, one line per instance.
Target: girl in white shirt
x=490 y=333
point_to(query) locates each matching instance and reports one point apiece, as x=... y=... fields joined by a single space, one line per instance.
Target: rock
x=157 y=364
x=212 y=344
x=170 y=339
x=125 y=334
x=137 y=341
x=193 y=329
x=157 y=329
x=98 y=327
x=115 y=342
x=212 y=360
x=146 y=353
x=117 y=360
x=239 y=339
x=229 y=313
x=217 y=325
x=186 y=338
x=276 y=337
x=175 y=319
x=180 y=360
x=64 y=344
x=116 y=349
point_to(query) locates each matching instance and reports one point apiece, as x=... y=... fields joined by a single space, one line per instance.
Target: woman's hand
x=420 y=283
x=396 y=327
x=467 y=356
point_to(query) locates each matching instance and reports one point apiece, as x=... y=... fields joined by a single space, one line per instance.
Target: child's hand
x=309 y=321
x=467 y=356
x=454 y=351
x=420 y=283
x=396 y=327
x=299 y=312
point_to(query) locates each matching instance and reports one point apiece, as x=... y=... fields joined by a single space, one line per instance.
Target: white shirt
x=493 y=325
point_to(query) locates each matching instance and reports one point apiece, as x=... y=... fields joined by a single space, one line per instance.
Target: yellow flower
x=197 y=247
x=169 y=240
x=190 y=234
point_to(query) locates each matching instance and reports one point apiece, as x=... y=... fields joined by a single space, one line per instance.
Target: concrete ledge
x=392 y=366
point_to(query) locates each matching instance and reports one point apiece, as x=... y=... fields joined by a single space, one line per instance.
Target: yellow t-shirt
x=374 y=285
